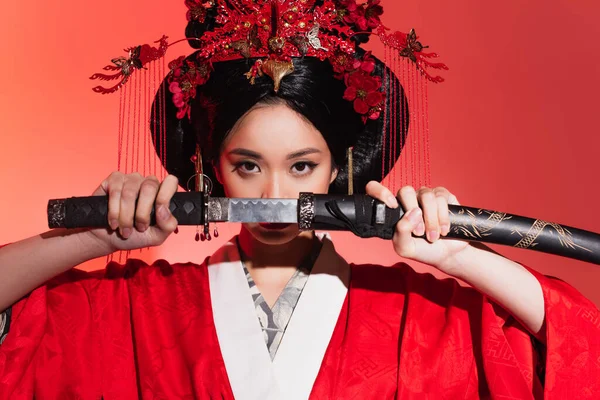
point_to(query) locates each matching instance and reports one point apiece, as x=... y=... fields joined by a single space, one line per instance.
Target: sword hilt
x=189 y=208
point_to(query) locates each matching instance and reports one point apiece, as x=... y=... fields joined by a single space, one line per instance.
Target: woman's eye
x=303 y=168
x=247 y=167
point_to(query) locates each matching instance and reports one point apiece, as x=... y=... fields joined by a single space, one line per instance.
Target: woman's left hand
x=508 y=283
x=426 y=214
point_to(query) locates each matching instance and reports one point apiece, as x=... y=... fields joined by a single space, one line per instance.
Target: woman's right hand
x=29 y=263
x=130 y=224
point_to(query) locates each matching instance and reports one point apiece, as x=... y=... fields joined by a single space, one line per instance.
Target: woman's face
x=273 y=152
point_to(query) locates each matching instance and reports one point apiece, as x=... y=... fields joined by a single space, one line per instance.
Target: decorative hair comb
x=273 y=32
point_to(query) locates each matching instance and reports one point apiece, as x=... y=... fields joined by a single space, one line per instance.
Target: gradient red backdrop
x=514 y=127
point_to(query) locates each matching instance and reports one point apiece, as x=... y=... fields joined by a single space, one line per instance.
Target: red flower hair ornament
x=364 y=89
x=274 y=32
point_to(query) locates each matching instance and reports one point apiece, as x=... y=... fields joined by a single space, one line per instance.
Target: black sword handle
x=367 y=217
x=92 y=211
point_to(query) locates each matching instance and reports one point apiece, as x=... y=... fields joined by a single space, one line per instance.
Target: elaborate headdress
x=272 y=35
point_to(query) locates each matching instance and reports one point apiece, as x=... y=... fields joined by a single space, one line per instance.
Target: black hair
x=312 y=90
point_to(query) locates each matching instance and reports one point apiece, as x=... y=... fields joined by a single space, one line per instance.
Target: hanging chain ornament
x=202 y=184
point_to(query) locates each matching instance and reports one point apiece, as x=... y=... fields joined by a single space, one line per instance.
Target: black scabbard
x=367 y=217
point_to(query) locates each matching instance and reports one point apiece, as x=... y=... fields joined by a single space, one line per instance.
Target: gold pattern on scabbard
x=476 y=229
x=564 y=236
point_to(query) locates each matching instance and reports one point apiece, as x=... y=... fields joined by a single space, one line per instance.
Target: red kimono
x=189 y=331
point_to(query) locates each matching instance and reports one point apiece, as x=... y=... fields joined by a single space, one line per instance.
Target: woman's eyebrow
x=303 y=152
x=246 y=153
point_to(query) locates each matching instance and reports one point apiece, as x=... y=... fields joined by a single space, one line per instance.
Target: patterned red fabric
x=147 y=332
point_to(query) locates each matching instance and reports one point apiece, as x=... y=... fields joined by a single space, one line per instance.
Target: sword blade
x=223 y=209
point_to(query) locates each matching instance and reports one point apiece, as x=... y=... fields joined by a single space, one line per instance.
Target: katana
x=360 y=214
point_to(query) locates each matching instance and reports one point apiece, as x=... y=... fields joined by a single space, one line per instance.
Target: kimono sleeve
x=565 y=366
x=455 y=338
x=51 y=339
x=572 y=348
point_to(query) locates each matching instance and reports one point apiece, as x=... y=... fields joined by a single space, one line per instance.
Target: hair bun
x=195 y=29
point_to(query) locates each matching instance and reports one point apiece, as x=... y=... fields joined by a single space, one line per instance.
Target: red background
x=514 y=127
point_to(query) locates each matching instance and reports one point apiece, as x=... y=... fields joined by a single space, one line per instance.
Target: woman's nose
x=277 y=188
x=272 y=189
